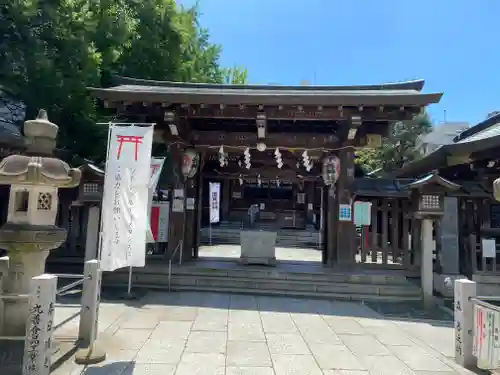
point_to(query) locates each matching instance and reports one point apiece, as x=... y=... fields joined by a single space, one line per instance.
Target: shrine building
x=270 y=146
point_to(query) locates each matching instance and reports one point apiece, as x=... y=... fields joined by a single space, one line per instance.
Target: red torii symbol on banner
x=137 y=140
x=154 y=167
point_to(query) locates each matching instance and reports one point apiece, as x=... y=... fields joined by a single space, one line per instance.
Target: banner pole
x=129 y=287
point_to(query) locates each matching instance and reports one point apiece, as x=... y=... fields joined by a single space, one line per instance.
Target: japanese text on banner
x=126 y=197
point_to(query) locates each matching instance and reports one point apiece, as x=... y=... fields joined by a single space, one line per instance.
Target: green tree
x=399 y=148
x=236 y=75
x=52 y=50
x=47 y=62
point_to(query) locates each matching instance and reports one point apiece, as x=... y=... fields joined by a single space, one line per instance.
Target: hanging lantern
x=190 y=163
x=331 y=170
x=496 y=189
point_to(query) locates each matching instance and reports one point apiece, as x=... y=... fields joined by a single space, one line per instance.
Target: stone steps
x=272 y=281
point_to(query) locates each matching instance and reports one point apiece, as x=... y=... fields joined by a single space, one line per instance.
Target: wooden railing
x=387 y=242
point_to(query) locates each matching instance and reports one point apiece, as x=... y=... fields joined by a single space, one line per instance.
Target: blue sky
x=452 y=44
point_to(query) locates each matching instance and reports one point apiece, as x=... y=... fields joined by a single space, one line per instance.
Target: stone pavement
x=222 y=334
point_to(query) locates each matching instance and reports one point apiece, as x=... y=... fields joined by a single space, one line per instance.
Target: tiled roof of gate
x=396 y=94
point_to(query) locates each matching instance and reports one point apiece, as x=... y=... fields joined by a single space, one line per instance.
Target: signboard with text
x=126 y=197
x=214 y=202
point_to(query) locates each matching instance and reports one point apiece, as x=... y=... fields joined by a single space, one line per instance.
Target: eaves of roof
x=483 y=125
x=263 y=95
x=488 y=138
x=416 y=85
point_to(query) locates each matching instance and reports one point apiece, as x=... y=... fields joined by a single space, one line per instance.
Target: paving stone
x=249 y=371
x=171 y=329
x=295 y=365
x=199 y=369
x=166 y=351
x=391 y=336
x=364 y=345
x=131 y=339
x=277 y=323
x=375 y=322
x=206 y=342
x=141 y=321
x=345 y=372
x=239 y=331
x=208 y=359
x=209 y=322
x=337 y=357
x=244 y=316
x=248 y=353
x=286 y=343
x=385 y=365
x=149 y=369
x=344 y=325
x=418 y=359
x=182 y=313
x=112 y=354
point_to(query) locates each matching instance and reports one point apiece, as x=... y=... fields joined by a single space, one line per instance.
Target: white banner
x=125 y=199
x=156 y=168
x=214 y=202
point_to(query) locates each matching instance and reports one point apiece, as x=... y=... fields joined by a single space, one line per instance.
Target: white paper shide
x=126 y=197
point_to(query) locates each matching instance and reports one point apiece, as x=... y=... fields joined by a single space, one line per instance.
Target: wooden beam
x=204 y=139
x=311 y=113
x=264 y=172
x=274 y=112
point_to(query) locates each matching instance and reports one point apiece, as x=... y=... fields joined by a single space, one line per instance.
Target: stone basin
x=258 y=247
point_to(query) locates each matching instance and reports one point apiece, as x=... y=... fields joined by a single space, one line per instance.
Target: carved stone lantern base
x=28 y=247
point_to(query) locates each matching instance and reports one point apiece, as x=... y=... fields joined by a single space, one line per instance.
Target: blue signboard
x=362 y=213
x=345 y=212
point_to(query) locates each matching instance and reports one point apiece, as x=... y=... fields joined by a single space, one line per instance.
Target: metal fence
x=40 y=326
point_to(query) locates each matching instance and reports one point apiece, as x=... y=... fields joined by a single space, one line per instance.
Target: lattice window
x=90 y=188
x=44 y=201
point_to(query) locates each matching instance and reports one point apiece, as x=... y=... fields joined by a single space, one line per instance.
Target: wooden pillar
x=331 y=225
x=177 y=206
x=190 y=219
x=309 y=201
x=346 y=242
x=225 y=199
x=199 y=212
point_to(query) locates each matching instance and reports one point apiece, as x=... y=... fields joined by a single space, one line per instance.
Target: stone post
x=38 y=342
x=426 y=264
x=449 y=237
x=464 y=322
x=92 y=239
x=87 y=332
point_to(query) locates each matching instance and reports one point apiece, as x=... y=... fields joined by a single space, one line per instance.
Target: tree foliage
x=52 y=50
x=399 y=148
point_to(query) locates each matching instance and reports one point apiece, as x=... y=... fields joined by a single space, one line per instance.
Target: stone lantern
x=427 y=196
x=30 y=232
